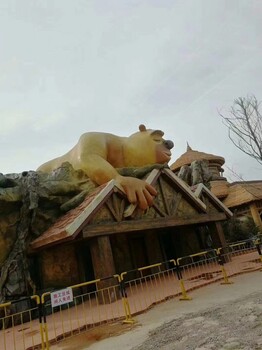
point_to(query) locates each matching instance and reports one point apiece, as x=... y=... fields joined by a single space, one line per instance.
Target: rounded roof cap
x=190 y=155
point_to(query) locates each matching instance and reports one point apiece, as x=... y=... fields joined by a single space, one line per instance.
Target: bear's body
x=99 y=154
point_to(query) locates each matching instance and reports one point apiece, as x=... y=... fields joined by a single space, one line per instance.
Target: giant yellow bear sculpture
x=99 y=154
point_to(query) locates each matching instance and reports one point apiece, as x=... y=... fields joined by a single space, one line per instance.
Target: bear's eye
x=158 y=140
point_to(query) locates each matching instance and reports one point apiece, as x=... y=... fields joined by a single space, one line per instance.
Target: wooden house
x=105 y=235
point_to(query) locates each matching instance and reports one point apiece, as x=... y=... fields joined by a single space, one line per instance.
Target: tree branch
x=244 y=125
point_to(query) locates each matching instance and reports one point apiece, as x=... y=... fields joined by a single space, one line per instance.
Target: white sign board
x=61 y=297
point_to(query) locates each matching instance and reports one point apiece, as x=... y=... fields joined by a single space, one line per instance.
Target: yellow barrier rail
x=90 y=307
x=221 y=263
x=128 y=316
x=120 y=297
x=197 y=269
x=240 y=257
x=19 y=329
x=149 y=285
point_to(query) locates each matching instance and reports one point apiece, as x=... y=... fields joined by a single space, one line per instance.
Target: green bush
x=236 y=229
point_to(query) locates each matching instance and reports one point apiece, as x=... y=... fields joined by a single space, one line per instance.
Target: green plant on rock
x=237 y=229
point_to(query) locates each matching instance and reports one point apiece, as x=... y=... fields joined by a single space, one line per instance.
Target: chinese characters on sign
x=61 y=297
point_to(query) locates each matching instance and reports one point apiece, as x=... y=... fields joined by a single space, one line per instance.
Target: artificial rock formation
x=30 y=203
x=195 y=167
x=195 y=173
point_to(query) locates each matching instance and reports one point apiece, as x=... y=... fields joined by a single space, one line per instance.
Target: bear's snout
x=169 y=144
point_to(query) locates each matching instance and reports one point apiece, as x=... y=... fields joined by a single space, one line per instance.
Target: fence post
x=40 y=315
x=4 y=306
x=221 y=263
x=122 y=288
x=180 y=279
x=44 y=323
x=257 y=244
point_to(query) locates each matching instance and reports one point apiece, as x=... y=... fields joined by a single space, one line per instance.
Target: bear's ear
x=142 y=127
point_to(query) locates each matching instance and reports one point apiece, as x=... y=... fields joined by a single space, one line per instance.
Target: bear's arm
x=93 y=155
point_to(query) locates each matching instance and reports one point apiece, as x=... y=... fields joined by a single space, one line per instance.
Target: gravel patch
x=236 y=325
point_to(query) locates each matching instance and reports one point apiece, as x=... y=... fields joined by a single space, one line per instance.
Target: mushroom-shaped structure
x=219 y=184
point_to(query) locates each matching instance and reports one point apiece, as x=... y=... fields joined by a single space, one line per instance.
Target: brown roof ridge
x=69 y=225
x=245 y=182
x=150 y=179
x=200 y=188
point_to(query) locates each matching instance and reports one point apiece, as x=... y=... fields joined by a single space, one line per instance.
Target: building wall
x=121 y=253
x=67 y=265
x=59 y=267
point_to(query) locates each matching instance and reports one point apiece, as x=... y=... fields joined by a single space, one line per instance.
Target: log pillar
x=102 y=257
x=217 y=234
x=220 y=233
x=255 y=215
x=218 y=237
x=104 y=266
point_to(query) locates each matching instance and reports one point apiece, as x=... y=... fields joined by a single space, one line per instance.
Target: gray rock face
x=197 y=172
x=29 y=203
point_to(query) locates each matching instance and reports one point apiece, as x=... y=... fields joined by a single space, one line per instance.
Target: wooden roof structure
x=191 y=155
x=106 y=211
x=204 y=193
x=243 y=192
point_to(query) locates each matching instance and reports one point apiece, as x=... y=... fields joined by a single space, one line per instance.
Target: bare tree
x=244 y=125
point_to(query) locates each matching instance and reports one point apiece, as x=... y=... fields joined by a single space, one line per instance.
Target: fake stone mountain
x=32 y=201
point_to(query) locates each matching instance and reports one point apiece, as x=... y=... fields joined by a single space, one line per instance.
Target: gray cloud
x=69 y=67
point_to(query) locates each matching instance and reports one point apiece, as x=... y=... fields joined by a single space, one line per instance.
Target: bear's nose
x=169 y=144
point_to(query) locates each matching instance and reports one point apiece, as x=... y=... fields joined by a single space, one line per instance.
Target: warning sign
x=61 y=297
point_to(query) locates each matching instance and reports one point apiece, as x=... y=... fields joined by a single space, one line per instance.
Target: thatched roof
x=190 y=155
x=243 y=192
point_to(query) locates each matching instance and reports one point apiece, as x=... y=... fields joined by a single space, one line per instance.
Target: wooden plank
x=141 y=225
x=151 y=179
x=159 y=211
x=189 y=195
x=161 y=187
x=177 y=202
x=202 y=188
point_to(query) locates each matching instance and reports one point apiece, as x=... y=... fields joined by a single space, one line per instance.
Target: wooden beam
x=177 y=202
x=255 y=215
x=166 y=206
x=159 y=211
x=147 y=224
x=188 y=194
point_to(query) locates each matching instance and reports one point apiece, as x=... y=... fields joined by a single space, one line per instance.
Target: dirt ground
x=219 y=317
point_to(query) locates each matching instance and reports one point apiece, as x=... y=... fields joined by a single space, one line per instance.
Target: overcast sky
x=68 y=67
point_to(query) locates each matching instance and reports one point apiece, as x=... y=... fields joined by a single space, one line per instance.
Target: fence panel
x=198 y=270
x=152 y=284
x=94 y=303
x=21 y=330
x=241 y=257
x=32 y=324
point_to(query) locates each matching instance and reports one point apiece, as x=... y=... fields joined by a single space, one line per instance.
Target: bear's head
x=147 y=146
